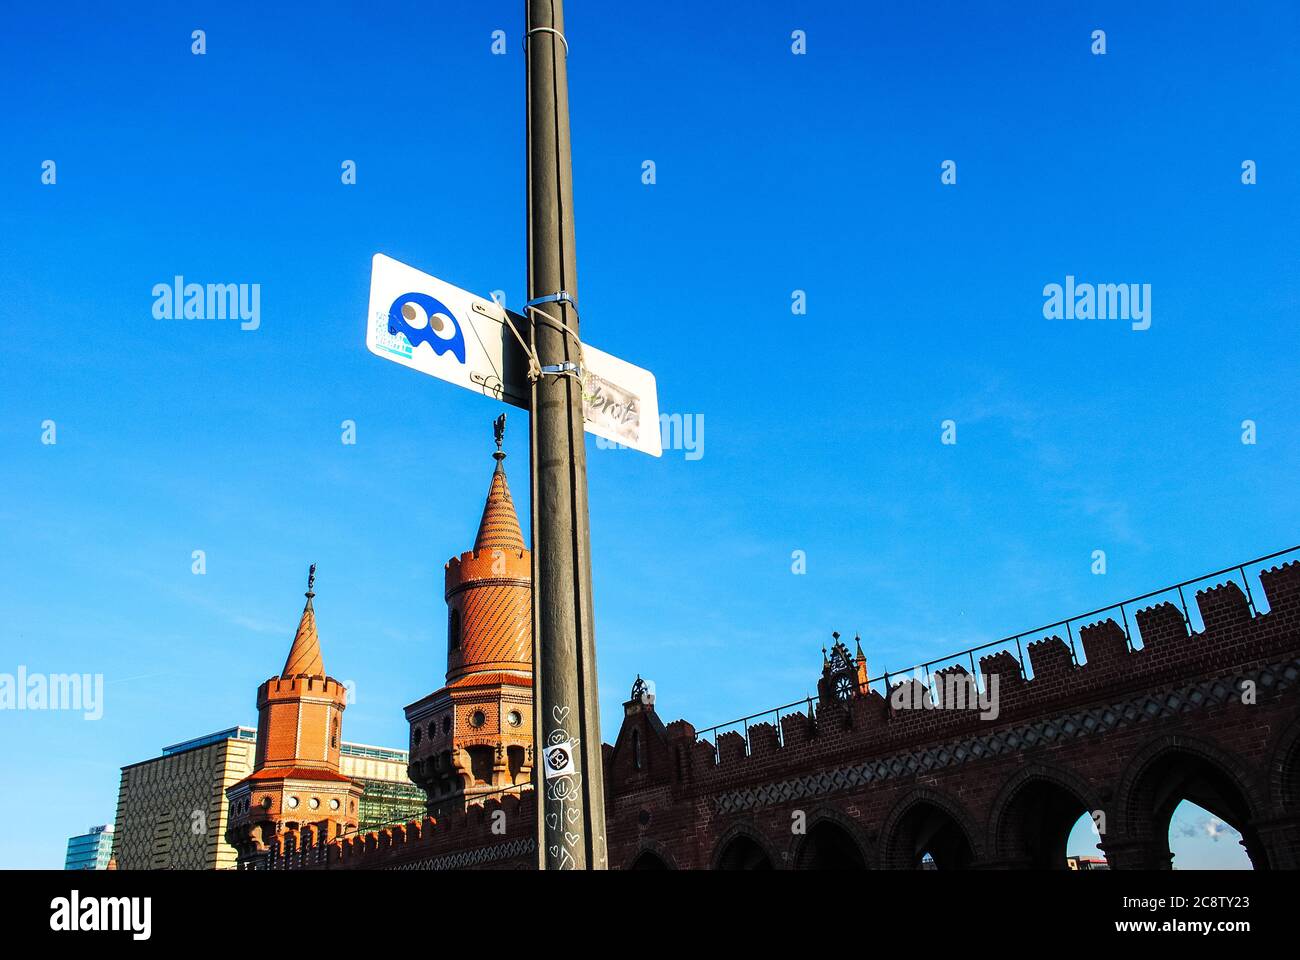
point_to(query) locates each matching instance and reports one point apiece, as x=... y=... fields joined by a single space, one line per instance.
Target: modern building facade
x=91 y=850
x=388 y=795
x=171 y=809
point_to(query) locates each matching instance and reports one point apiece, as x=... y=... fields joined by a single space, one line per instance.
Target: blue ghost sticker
x=425 y=319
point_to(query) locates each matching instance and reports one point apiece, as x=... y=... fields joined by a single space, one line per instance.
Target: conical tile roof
x=304 y=656
x=499 y=528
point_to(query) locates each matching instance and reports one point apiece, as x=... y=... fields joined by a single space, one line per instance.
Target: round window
x=293 y=802
x=513 y=718
x=477 y=718
x=313 y=803
x=334 y=804
x=266 y=802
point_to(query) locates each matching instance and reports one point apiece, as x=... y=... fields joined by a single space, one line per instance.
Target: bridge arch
x=831 y=841
x=1174 y=768
x=652 y=855
x=926 y=821
x=1033 y=815
x=1284 y=771
x=743 y=847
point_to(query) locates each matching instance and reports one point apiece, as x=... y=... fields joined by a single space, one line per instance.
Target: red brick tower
x=474 y=735
x=295 y=786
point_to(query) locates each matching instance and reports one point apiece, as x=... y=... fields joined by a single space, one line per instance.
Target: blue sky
x=775 y=173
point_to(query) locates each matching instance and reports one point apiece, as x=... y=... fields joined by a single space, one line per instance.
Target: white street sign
x=443 y=331
x=428 y=325
x=620 y=402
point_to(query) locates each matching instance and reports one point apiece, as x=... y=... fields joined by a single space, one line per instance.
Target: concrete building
x=171 y=809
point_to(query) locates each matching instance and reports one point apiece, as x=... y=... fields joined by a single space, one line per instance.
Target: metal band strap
x=535 y=369
x=547 y=30
x=562 y=297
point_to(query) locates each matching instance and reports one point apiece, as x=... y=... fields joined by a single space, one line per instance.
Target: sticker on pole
x=558 y=759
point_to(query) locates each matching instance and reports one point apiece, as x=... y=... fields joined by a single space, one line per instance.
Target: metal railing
x=742 y=725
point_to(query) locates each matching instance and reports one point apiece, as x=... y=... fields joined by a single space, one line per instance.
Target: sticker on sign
x=443 y=331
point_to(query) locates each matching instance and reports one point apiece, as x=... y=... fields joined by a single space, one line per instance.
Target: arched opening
x=1208 y=800
x=828 y=846
x=636 y=749
x=481 y=761
x=1039 y=824
x=515 y=762
x=1198 y=840
x=927 y=830
x=649 y=860
x=744 y=853
x=1083 y=849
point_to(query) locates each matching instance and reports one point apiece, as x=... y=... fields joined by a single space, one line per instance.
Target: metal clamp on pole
x=567 y=368
x=547 y=30
x=562 y=297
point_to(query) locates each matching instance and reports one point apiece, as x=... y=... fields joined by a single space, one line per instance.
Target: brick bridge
x=1151 y=714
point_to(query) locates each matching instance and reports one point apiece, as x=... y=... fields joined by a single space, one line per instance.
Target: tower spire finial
x=499 y=431
x=311 y=581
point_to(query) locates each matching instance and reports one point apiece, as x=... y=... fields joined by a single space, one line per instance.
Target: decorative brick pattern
x=482 y=856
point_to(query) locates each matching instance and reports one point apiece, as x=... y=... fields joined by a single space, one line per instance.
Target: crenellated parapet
x=497 y=832
x=1101 y=714
x=1103 y=659
x=487 y=565
x=293 y=688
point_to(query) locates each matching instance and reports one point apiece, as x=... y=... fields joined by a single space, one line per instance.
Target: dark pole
x=571 y=805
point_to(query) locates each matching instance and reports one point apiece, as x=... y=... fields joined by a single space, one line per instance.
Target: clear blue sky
x=822 y=432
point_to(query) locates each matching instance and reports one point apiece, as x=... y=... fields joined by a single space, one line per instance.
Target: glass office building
x=91 y=850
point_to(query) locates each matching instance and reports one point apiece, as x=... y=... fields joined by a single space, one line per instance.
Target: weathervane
x=499 y=429
x=311 y=581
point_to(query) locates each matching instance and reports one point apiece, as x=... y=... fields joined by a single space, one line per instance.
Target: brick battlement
x=488 y=564
x=294 y=687
x=1083 y=721
x=1170 y=652
x=493 y=832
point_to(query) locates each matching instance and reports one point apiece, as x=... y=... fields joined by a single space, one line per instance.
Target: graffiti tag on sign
x=612 y=407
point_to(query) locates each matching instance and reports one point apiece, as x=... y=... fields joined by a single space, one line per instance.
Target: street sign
x=428 y=325
x=443 y=331
x=620 y=402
